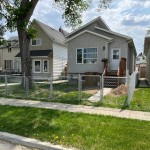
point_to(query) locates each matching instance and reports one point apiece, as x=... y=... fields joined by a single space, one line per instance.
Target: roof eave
x=87 y=25
x=87 y=31
x=112 y=32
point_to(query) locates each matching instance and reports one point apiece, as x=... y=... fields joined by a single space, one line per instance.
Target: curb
x=28 y=142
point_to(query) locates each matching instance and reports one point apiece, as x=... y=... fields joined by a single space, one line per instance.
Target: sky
x=128 y=17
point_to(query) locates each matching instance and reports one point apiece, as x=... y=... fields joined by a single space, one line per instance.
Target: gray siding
x=46 y=42
x=85 y=40
x=90 y=27
x=59 y=58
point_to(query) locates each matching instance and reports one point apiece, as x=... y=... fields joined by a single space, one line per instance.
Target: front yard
x=68 y=93
x=81 y=131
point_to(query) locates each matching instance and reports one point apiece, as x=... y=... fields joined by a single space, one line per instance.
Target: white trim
x=112 y=32
x=98 y=18
x=34 y=65
x=87 y=31
x=36 y=44
x=47 y=65
x=83 y=56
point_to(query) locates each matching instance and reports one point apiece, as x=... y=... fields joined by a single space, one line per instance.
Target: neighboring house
x=48 y=52
x=141 y=64
x=147 y=54
x=9 y=63
x=94 y=47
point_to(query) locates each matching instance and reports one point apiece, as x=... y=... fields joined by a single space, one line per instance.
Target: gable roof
x=99 y=19
x=52 y=33
x=112 y=32
x=87 y=31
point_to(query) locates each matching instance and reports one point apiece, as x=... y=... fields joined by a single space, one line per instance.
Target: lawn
x=76 y=130
x=68 y=93
x=113 y=102
x=62 y=92
x=141 y=99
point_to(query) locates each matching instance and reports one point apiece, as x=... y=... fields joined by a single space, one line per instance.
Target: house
x=141 y=64
x=48 y=52
x=147 y=54
x=94 y=48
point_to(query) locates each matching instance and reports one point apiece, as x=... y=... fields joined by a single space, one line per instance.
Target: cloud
x=129 y=17
x=136 y=20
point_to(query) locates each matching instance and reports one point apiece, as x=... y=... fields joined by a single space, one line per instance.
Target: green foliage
x=2 y=41
x=32 y=32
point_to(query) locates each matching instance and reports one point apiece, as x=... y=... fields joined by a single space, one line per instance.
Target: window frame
x=11 y=64
x=85 y=53
x=34 y=65
x=47 y=65
x=36 y=43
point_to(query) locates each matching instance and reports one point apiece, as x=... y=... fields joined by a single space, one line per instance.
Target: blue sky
x=129 y=17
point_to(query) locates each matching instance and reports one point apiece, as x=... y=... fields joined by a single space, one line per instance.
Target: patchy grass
x=113 y=102
x=141 y=100
x=82 y=131
x=62 y=92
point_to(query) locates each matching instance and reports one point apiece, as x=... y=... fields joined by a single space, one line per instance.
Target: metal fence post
x=51 y=88
x=102 y=86
x=6 y=89
x=129 y=92
x=79 y=87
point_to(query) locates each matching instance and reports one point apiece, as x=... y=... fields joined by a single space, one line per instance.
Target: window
x=36 y=42
x=9 y=48
x=8 y=64
x=37 y=66
x=45 y=66
x=115 y=54
x=87 y=55
x=79 y=55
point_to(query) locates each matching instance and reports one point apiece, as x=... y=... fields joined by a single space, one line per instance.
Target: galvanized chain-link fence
x=91 y=87
x=110 y=91
x=133 y=79
x=114 y=91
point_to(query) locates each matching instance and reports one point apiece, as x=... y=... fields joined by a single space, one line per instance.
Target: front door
x=115 y=57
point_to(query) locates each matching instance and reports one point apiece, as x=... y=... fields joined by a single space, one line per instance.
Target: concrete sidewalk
x=78 y=108
x=143 y=83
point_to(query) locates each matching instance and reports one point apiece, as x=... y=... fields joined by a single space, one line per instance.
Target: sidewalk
x=143 y=83
x=78 y=108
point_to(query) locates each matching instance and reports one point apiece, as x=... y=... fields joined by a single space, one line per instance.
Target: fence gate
x=90 y=87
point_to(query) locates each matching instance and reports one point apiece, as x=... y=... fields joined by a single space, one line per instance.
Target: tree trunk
x=24 y=41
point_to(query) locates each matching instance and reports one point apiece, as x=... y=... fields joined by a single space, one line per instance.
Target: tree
x=16 y=14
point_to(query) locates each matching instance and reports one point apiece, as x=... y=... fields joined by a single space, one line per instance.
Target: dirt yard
x=119 y=91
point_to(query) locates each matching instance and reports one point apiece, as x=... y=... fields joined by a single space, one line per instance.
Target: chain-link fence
x=90 y=87
x=133 y=80
x=107 y=90
x=114 y=90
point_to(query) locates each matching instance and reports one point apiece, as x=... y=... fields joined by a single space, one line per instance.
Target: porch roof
x=38 y=53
